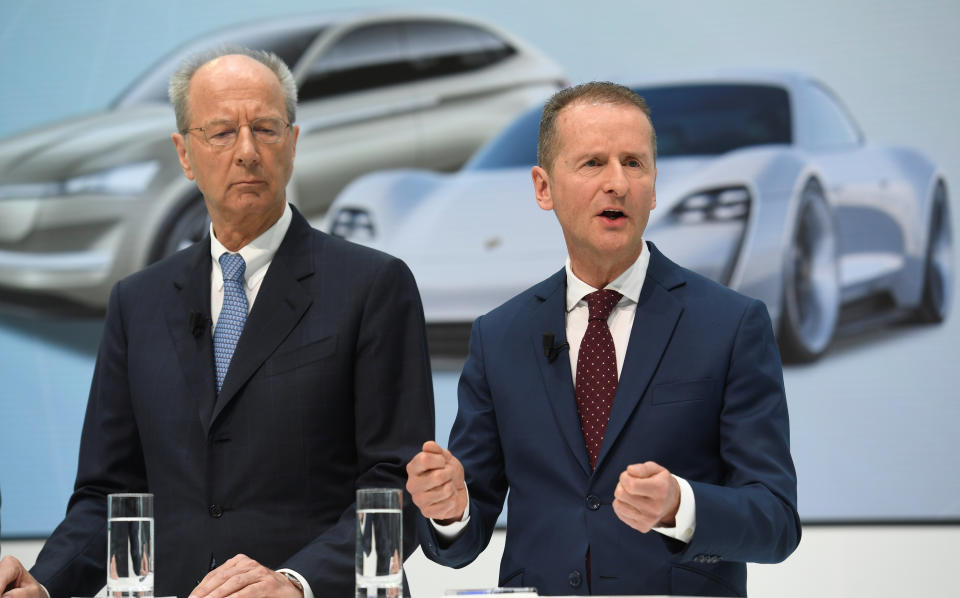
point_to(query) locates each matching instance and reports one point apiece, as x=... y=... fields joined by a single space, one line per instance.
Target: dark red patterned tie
x=597 y=371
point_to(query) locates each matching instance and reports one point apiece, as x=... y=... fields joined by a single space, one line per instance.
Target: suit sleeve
x=394 y=416
x=752 y=516
x=72 y=561
x=475 y=441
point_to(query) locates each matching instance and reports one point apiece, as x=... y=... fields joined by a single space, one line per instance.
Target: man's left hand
x=244 y=577
x=646 y=497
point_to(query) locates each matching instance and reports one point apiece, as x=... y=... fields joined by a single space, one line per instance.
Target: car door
x=467 y=90
x=866 y=197
x=355 y=113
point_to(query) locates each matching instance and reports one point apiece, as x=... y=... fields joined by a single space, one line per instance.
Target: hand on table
x=243 y=577
x=16 y=581
x=435 y=480
x=647 y=496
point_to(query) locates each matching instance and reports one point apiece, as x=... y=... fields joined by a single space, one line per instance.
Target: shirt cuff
x=307 y=592
x=44 y=588
x=451 y=531
x=686 y=520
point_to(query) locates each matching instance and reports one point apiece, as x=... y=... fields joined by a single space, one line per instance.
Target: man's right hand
x=16 y=581
x=435 y=481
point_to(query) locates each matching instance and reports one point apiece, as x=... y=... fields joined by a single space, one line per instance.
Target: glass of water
x=379 y=543
x=130 y=545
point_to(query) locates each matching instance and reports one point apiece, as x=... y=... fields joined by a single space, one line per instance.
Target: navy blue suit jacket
x=329 y=390
x=701 y=393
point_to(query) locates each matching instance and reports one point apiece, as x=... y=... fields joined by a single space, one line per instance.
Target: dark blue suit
x=329 y=390
x=701 y=393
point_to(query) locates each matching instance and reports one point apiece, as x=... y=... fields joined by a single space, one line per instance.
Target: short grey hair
x=180 y=80
x=600 y=92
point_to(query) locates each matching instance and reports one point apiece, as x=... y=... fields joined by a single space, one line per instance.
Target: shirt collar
x=627 y=284
x=257 y=253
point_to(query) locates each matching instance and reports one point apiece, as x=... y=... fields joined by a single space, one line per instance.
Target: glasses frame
x=206 y=138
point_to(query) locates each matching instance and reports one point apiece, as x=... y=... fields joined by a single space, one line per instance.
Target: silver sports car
x=89 y=200
x=765 y=185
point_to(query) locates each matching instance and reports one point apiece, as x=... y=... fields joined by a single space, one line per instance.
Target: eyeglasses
x=224 y=132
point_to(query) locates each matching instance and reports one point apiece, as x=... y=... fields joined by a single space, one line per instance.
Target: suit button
x=593 y=503
x=575 y=579
x=216 y=511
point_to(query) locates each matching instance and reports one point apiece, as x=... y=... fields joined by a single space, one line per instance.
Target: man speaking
x=253 y=381
x=634 y=410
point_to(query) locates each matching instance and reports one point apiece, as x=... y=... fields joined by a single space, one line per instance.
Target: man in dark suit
x=634 y=410
x=253 y=451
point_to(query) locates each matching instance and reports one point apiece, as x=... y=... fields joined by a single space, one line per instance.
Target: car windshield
x=287 y=41
x=691 y=120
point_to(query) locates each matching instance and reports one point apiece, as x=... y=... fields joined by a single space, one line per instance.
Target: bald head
x=181 y=80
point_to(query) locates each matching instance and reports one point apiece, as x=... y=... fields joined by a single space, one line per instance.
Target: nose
x=245 y=151
x=616 y=182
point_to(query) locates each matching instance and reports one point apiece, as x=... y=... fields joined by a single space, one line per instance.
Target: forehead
x=235 y=83
x=585 y=120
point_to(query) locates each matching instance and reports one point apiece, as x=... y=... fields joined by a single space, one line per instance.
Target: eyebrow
x=645 y=155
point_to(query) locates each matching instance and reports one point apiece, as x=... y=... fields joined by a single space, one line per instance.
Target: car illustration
x=89 y=200
x=765 y=184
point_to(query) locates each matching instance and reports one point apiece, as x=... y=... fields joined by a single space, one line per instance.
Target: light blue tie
x=233 y=314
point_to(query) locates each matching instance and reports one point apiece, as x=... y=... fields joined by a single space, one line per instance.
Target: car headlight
x=723 y=204
x=128 y=179
x=353 y=224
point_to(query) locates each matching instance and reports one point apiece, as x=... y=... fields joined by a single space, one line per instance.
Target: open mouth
x=612 y=214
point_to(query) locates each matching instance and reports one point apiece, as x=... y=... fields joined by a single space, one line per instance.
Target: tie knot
x=601 y=303
x=232 y=266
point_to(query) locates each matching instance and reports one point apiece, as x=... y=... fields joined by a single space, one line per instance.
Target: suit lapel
x=195 y=352
x=280 y=304
x=656 y=318
x=549 y=317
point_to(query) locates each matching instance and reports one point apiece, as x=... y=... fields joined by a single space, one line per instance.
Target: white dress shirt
x=620 y=322
x=257 y=254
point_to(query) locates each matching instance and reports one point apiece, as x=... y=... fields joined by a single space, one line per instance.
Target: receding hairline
x=564 y=114
x=590 y=93
x=234 y=57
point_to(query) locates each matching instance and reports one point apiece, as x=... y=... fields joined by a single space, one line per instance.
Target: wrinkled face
x=248 y=179
x=601 y=183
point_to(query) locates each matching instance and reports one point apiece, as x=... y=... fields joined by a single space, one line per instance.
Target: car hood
x=86 y=144
x=492 y=211
x=477 y=238
x=475 y=213
x=463 y=231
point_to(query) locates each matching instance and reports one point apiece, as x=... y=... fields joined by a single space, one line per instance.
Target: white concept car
x=765 y=184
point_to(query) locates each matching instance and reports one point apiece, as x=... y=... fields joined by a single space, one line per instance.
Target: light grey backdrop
x=873 y=423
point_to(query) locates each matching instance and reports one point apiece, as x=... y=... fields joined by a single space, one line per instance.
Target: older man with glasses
x=251 y=382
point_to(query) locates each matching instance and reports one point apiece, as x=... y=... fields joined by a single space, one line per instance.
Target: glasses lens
x=268 y=130
x=221 y=132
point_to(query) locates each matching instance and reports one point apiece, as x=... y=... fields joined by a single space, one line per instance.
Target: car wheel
x=811 y=281
x=938 y=264
x=187 y=225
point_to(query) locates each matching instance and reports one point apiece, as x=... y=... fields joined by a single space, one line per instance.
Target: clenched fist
x=647 y=496
x=435 y=481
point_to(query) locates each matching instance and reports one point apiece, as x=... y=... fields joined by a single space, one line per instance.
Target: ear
x=654 y=203
x=181 y=144
x=541 y=187
x=296 y=135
